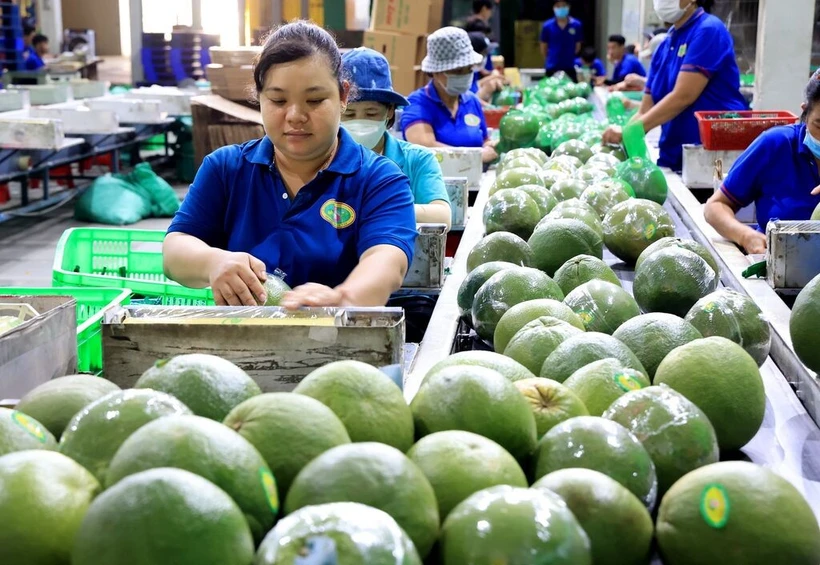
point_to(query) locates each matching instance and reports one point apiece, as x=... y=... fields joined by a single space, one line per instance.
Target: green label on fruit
x=714 y=506
x=710 y=307
x=29 y=425
x=649 y=231
x=269 y=485
x=627 y=383
x=587 y=317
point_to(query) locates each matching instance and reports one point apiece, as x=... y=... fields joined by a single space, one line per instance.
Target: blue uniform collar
x=432 y=93
x=696 y=16
x=347 y=161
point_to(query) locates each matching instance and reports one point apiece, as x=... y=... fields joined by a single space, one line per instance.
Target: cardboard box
x=436 y=19
x=219 y=122
x=233 y=83
x=410 y=17
x=401 y=50
x=406 y=79
x=528 y=44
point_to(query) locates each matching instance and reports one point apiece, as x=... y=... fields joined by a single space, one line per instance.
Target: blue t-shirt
x=777 y=172
x=598 y=69
x=467 y=129
x=628 y=65
x=33 y=61
x=703 y=45
x=562 y=43
x=420 y=166
x=238 y=202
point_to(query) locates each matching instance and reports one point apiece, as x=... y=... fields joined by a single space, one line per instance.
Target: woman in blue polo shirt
x=444 y=113
x=335 y=217
x=371 y=112
x=694 y=69
x=778 y=173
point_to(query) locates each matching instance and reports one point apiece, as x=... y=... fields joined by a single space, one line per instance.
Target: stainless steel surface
x=457 y=190
x=427 y=269
x=794 y=254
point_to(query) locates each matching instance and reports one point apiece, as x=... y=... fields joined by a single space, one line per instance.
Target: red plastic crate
x=493 y=116
x=737 y=134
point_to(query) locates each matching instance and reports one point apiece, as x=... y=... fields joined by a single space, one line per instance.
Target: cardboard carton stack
x=231 y=71
x=398 y=30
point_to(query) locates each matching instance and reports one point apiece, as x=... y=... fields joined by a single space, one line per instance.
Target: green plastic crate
x=92 y=303
x=114 y=257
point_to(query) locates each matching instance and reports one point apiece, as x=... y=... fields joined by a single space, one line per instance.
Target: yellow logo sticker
x=587 y=317
x=710 y=307
x=682 y=51
x=29 y=425
x=626 y=382
x=338 y=214
x=650 y=231
x=439 y=157
x=715 y=506
x=472 y=120
x=269 y=486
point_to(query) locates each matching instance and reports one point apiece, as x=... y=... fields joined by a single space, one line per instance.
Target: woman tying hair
x=779 y=173
x=371 y=111
x=307 y=199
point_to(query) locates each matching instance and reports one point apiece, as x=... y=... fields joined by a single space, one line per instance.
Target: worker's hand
x=754 y=242
x=613 y=135
x=634 y=81
x=314 y=295
x=488 y=153
x=236 y=279
x=816 y=191
x=599 y=81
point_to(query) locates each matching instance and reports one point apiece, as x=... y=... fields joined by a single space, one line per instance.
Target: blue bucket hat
x=369 y=71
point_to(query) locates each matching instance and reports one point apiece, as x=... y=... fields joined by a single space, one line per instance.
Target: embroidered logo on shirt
x=682 y=50
x=572 y=31
x=472 y=120
x=338 y=214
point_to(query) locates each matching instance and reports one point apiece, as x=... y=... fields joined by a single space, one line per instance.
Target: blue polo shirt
x=628 y=65
x=238 y=202
x=777 y=172
x=703 y=45
x=33 y=61
x=562 y=43
x=467 y=129
x=420 y=166
x=598 y=69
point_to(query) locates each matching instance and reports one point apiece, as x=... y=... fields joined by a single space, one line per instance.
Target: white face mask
x=458 y=84
x=366 y=132
x=669 y=11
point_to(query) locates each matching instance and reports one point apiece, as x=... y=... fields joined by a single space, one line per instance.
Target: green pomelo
x=736 y=513
x=567 y=189
x=580 y=212
x=581 y=350
x=602 y=306
x=551 y=403
x=96 y=432
x=511 y=211
x=672 y=281
x=633 y=225
x=519 y=129
x=367 y=401
x=676 y=242
x=376 y=475
x=615 y=150
x=55 y=402
x=21 y=432
x=478 y=400
x=603 y=196
x=605 y=158
x=360 y=535
x=567 y=163
x=676 y=433
x=553 y=176
x=619 y=526
x=583 y=269
x=723 y=381
x=589 y=442
x=500 y=246
x=210 y=450
x=459 y=464
x=576 y=148
x=163 y=516
x=528 y=152
x=601 y=383
x=727 y=313
x=816 y=214
x=606 y=168
x=513 y=178
x=802 y=325
x=474 y=280
x=556 y=241
x=652 y=336
x=591 y=174
x=506 y=289
x=537 y=339
x=275 y=289
x=289 y=431
x=522 y=162
x=521 y=314
x=513 y=526
x=209 y=385
x=43 y=498
x=645 y=177
x=542 y=196
x=572 y=204
x=509 y=369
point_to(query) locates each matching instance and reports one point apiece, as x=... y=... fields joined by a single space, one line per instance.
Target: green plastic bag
x=163 y=199
x=110 y=200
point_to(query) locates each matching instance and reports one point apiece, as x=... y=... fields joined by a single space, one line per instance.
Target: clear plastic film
x=645 y=177
x=633 y=225
x=603 y=196
x=602 y=306
x=342 y=533
x=275 y=288
x=512 y=211
x=533 y=343
x=231 y=315
x=735 y=316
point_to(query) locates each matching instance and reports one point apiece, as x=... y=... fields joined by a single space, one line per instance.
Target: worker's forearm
x=434 y=213
x=664 y=111
x=375 y=278
x=188 y=260
x=723 y=219
x=423 y=140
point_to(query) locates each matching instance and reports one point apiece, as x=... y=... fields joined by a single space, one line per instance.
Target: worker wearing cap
x=370 y=113
x=444 y=113
x=561 y=39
